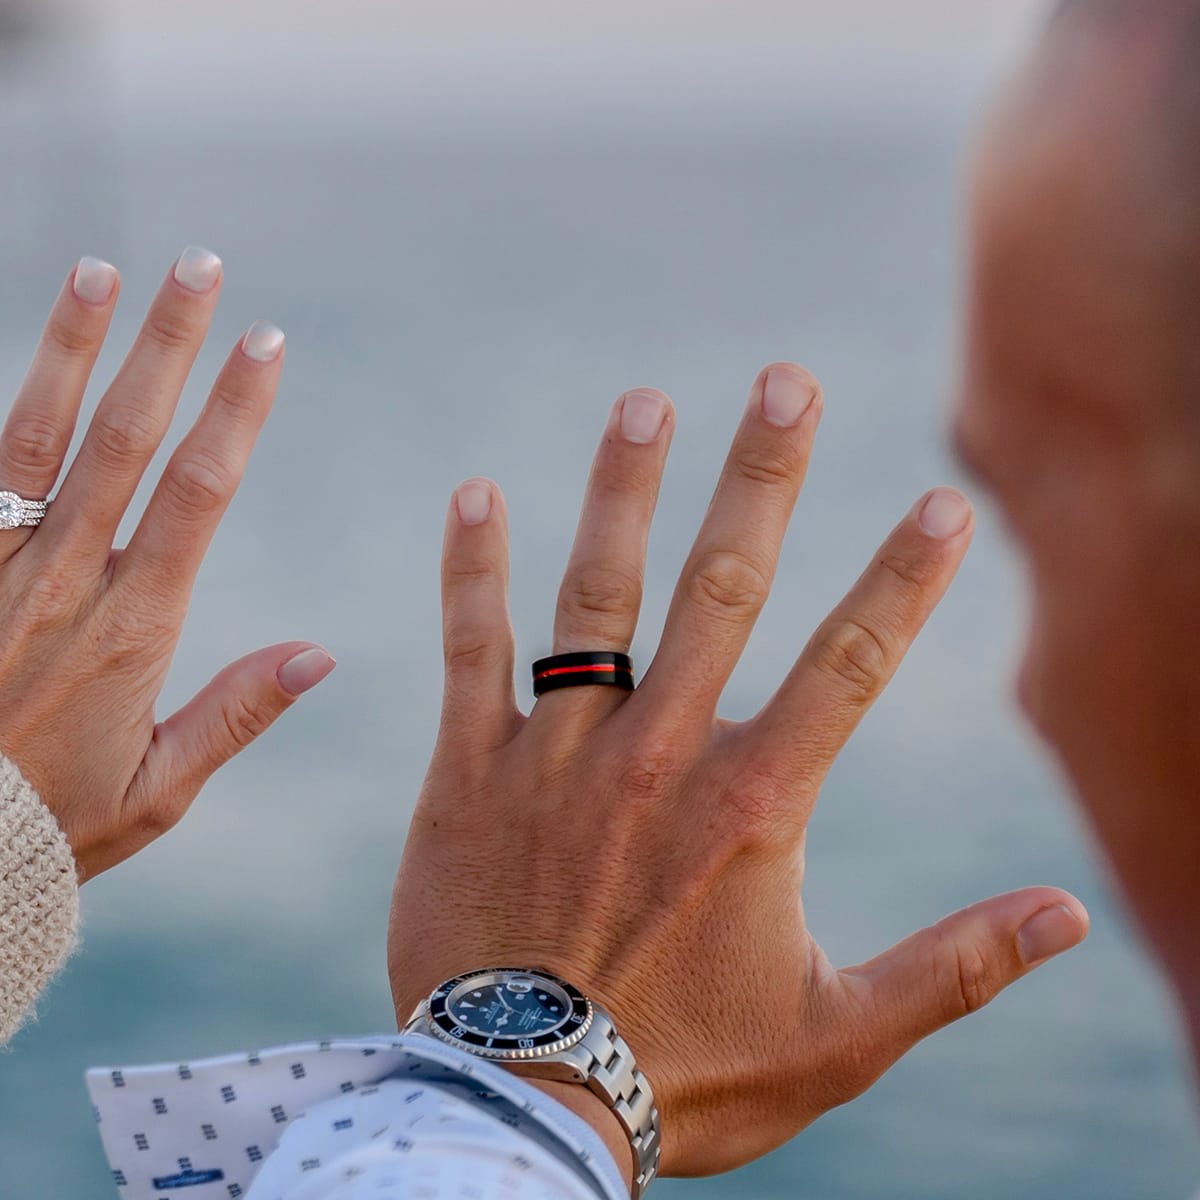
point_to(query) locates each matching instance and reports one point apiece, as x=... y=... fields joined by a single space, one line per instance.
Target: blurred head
x=1080 y=409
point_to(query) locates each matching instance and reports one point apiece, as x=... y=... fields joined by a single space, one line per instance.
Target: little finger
x=479 y=708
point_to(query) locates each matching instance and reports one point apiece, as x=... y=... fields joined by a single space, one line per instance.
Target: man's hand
x=87 y=632
x=652 y=853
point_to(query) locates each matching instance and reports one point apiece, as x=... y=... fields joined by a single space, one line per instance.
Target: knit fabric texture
x=39 y=898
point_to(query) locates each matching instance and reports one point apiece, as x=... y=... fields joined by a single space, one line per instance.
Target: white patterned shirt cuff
x=392 y=1118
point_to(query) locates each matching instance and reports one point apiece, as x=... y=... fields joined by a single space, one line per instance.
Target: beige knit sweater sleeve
x=39 y=898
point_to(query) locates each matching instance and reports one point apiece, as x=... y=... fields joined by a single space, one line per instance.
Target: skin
x=86 y=631
x=663 y=847
x=1079 y=411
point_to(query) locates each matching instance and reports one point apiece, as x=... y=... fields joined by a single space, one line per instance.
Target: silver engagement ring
x=16 y=512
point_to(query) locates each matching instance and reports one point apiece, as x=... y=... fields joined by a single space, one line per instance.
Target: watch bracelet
x=626 y=1090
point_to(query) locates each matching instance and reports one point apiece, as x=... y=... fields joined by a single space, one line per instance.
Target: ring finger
x=601 y=593
x=42 y=420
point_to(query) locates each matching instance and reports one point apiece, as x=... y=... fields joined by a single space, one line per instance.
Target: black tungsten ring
x=583 y=669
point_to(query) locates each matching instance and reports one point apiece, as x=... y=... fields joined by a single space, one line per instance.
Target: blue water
x=468 y=295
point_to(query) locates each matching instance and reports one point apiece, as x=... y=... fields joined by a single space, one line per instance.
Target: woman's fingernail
x=197 y=270
x=263 y=342
x=786 y=398
x=1047 y=933
x=945 y=514
x=95 y=280
x=305 y=670
x=474 y=501
x=642 y=417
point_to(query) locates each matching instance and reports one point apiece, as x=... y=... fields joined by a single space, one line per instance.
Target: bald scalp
x=1150 y=55
x=1176 y=69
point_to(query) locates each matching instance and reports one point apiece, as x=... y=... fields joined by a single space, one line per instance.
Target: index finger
x=859 y=647
x=204 y=472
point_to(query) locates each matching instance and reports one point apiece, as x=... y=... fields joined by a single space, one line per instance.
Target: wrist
x=590 y=1108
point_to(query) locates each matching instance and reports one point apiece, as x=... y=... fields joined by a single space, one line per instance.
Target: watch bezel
x=501 y=1047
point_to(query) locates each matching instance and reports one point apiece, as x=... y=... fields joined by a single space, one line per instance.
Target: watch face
x=506 y=1012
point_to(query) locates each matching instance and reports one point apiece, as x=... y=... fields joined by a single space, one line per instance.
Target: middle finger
x=136 y=411
x=726 y=579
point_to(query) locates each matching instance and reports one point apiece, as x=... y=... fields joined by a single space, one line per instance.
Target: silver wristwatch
x=541 y=1026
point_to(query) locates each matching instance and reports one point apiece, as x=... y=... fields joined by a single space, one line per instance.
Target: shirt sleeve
x=392 y=1118
x=396 y=1142
x=39 y=898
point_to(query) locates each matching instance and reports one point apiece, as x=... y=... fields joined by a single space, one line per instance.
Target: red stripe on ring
x=593 y=667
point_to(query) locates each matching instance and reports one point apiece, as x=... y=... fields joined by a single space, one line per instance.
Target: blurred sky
x=911 y=27
x=539 y=53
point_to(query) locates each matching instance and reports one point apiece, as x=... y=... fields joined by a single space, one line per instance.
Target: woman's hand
x=87 y=632
x=652 y=854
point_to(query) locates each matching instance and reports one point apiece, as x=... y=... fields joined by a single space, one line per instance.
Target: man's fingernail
x=95 y=280
x=197 y=270
x=1047 y=933
x=474 y=501
x=263 y=342
x=642 y=417
x=945 y=514
x=305 y=670
x=786 y=398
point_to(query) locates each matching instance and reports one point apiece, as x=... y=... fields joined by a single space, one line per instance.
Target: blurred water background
x=478 y=225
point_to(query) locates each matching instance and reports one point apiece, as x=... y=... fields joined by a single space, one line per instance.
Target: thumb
x=956 y=966
x=221 y=720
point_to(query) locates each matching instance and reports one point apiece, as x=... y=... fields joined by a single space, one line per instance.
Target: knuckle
x=853 y=1064
x=35 y=442
x=244 y=720
x=774 y=464
x=153 y=822
x=194 y=485
x=913 y=572
x=149 y=817
x=642 y=782
x=50 y=597
x=854 y=656
x=171 y=333
x=70 y=339
x=727 y=583
x=121 y=433
x=467 y=653
x=751 y=809
x=469 y=570
x=966 y=977
x=238 y=398
x=135 y=629
x=648 y=772
x=605 y=589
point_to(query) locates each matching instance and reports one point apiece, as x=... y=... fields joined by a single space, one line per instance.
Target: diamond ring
x=15 y=511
